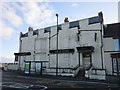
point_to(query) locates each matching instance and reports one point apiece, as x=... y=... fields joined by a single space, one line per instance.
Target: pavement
x=10 y=78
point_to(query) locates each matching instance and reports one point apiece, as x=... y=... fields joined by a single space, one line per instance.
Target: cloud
x=74 y=5
x=5 y=31
x=17 y=14
x=9 y=14
x=37 y=14
x=24 y=0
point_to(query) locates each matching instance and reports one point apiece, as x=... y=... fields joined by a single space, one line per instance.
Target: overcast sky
x=17 y=16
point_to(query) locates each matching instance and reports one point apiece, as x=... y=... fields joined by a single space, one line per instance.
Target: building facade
x=80 y=49
x=112 y=48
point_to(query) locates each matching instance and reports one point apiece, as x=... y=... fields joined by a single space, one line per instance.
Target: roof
x=72 y=24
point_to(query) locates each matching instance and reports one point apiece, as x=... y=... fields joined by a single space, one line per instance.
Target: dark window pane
x=47 y=30
x=74 y=24
x=59 y=27
x=24 y=35
x=114 y=65
x=35 y=32
x=118 y=64
x=95 y=20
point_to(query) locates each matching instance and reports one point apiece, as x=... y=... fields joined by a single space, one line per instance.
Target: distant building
x=80 y=49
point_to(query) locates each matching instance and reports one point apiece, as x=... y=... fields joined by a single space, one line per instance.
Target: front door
x=116 y=65
x=86 y=60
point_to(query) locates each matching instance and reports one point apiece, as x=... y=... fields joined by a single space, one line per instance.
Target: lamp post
x=57 y=47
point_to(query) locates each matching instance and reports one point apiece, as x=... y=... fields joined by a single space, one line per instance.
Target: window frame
x=117 y=65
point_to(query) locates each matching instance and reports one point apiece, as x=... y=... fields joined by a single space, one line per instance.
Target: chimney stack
x=66 y=19
x=30 y=29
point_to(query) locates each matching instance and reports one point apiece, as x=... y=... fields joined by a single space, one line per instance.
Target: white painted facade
x=108 y=46
x=69 y=64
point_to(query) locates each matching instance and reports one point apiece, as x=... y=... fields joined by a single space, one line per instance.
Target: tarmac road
x=13 y=79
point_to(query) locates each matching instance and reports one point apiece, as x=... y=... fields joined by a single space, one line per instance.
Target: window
x=117 y=44
x=118 y=64
x=74 y=24
x=114 y=65
x=94 y=20
x=16 y=58
x=35 y=32
x=48 y=29
x=59 y=27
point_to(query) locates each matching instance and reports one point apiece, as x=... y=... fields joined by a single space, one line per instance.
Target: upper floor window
x=74 y=24
x=117 y=44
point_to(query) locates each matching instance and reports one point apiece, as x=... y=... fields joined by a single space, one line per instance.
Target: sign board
x=38 y=67
x=27 y=69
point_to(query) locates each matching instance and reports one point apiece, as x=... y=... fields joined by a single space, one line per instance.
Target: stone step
x=99 y=77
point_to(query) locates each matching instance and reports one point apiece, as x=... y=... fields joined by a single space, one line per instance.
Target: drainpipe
x=34 y=47
x=20 y=50
x=100 y=14
x=57 y=48
x=49 y=47
x=101 y=46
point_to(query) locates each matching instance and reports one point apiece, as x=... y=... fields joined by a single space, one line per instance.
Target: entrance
x=86 y=60
x=116 y=63
x=86 y=55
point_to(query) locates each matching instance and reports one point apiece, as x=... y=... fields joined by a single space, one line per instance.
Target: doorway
x=116 y=65
x=87 y=60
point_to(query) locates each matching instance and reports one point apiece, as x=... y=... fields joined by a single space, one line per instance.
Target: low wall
x=12 y=67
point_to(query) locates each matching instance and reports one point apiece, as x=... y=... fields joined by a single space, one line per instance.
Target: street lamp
x=57 y=48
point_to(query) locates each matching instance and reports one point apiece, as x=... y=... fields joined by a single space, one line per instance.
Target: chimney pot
x=30 y=29
x=66 y=19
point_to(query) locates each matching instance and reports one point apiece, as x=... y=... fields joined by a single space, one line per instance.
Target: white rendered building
x=80 y=49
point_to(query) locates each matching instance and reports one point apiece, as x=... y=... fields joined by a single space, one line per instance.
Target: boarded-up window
x=94 y=20
x=74 y=24
x=16 y=58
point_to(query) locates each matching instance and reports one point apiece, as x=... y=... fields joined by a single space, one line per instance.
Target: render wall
x=38 y=45
x=68 y=39
x=108 y=46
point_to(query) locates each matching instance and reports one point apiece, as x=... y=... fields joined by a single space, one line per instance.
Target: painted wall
x=68 y=39
x=108 y=46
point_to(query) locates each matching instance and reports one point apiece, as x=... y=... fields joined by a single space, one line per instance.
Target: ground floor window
x=119 y=65
x=16 y=58
x=116 y=65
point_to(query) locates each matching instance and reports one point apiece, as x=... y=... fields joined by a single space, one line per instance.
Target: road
x=12 y=79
